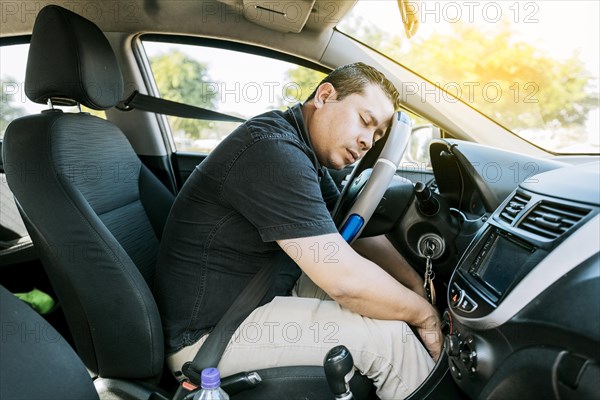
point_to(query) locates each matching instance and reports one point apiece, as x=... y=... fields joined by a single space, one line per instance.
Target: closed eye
x=377 y=135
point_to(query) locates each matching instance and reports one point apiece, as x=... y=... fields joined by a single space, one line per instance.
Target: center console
x=494 y=265
x=519 y=299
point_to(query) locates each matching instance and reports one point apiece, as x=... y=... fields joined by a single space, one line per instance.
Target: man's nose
x=365 y=141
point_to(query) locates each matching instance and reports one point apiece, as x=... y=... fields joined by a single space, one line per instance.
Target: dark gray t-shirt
x=261 y=184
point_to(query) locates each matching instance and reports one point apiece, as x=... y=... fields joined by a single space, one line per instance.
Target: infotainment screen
x=502 y=262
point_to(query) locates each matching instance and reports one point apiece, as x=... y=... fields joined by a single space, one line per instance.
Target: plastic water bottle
x=211 y=386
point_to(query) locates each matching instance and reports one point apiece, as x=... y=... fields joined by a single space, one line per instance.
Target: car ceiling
x=244 y=21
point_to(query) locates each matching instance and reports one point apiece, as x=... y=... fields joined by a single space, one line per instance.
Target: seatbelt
x=212 y=349
x=157 y=105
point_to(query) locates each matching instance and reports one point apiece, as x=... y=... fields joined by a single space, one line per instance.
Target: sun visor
x=281 y=15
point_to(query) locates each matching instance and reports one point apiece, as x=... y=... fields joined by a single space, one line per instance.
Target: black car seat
x=96 y=214
x=93 y=210
x=37 y=362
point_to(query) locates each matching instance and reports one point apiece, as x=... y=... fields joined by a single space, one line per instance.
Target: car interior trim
x=234 y=46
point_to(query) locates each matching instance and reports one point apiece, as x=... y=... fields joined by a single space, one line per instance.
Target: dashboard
x=518 y=262
x=475 y=179
x=522 y=311
x=517 y=258
x=469 y=182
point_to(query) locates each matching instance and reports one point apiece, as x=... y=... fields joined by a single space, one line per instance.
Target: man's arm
x=383 y=253
x=363 y=287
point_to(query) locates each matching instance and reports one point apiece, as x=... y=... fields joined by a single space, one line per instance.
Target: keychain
x=429 y=274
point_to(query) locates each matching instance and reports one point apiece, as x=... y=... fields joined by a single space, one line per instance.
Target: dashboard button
x=467 y=304
x=455 y=371
x=468 y=355
x=456 y=295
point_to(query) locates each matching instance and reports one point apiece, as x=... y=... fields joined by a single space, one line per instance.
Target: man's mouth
x=352 y=155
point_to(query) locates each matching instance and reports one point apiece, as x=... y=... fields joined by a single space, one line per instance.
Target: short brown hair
x=353 y=78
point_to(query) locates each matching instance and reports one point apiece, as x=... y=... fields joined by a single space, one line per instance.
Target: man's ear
x=325 y=92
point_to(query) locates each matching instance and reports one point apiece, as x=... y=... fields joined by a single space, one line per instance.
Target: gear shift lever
x=339 y=369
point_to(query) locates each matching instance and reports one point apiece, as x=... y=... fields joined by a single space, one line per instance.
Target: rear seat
x=15 y=244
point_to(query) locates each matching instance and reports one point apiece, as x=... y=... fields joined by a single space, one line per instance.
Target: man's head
x=350 y=109
x=353 y=78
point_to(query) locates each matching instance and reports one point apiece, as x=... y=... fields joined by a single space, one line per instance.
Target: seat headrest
x=71 y=61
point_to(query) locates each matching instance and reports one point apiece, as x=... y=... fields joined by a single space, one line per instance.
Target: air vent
x=514 y=207
x=550 y=220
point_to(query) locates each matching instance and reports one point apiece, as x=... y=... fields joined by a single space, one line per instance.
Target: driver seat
x=93 y=210
x=96 y=215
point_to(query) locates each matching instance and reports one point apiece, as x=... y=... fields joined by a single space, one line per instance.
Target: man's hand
x=431 y=335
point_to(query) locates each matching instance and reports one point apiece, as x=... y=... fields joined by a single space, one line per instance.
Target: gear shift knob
x=339 y=369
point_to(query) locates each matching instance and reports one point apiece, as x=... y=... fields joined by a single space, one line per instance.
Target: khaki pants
x=299 y=330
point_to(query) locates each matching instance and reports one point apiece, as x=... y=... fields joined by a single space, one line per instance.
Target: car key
x=429 y=274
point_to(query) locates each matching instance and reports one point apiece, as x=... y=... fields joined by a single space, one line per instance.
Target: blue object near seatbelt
x=352 y=227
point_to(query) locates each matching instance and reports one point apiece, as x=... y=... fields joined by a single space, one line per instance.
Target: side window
x=14 y=102
x=227 y=81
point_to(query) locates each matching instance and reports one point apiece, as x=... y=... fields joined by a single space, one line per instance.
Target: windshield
x=532 y=66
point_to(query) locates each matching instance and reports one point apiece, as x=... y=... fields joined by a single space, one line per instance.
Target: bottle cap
x=210 y=378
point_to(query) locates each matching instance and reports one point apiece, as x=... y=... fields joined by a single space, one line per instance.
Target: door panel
x=184 y=164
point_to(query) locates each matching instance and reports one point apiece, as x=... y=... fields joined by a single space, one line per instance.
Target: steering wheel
x=370 y=178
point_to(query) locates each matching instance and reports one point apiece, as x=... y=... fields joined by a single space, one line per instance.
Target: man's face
x=342 y=131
